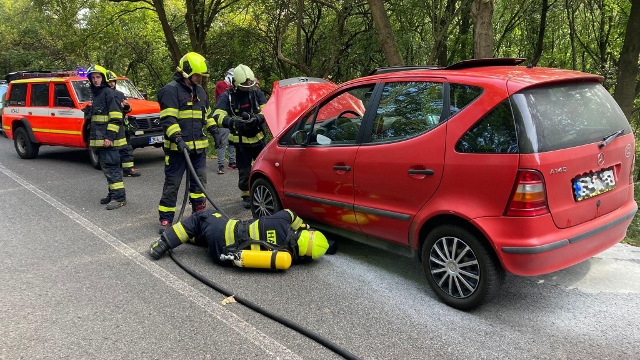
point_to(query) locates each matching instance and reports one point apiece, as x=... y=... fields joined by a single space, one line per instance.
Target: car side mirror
x=65 y=101
x=299 y=137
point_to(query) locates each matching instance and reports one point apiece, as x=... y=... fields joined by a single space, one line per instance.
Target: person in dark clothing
x=230 y=241
x=107 y=134
x=126 y=153
x=240 y=110
x=184 y=114
x=221 y=87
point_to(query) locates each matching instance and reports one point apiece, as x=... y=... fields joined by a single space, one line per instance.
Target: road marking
x=244 y=329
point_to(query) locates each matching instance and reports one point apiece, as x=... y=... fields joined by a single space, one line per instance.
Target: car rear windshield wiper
x=607 y=139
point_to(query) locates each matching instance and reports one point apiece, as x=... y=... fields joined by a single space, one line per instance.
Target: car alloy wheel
x=265 y=199
x=460 y=267
x=454 y=267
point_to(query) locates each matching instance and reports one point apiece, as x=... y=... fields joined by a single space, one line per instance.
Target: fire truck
x=46 y=108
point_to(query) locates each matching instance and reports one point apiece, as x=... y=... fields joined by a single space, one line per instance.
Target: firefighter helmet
x=229 y=76
x=111 y=76
x=243 y=78
x=193 y=63
x=312 y=243
x=96 y=69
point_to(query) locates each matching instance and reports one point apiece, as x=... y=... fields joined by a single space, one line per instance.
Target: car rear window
x=18 y=95
x=563 y=116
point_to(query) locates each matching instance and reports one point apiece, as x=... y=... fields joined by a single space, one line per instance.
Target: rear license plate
x=156 y=139
x=593 y=184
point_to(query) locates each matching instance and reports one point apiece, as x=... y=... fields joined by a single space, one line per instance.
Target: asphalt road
x=76 y=283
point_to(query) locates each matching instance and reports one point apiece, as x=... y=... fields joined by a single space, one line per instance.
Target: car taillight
x=528 y=197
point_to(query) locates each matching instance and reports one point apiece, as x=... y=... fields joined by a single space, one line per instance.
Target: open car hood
x=290 y=98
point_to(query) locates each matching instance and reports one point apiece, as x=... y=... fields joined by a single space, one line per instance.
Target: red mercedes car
x=474 y=169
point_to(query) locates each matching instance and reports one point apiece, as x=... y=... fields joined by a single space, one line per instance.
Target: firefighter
x=271 y=242
x=184 y=114
x=126 y=153
x=107 y=134
x=240 y=110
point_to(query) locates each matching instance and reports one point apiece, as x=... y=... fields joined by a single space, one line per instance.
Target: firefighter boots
x=114 y=204
x=105 y=200
x=164 y=225
x=158 y=248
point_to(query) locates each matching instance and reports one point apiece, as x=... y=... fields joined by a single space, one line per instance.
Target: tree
x=482 y=13
x=627 y=87
x=385 y=33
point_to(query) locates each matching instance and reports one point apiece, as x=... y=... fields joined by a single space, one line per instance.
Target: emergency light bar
x=43 y=74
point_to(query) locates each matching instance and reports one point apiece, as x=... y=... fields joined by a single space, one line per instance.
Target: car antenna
x=534 y=63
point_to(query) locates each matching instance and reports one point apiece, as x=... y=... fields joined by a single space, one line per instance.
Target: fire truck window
x=39 y=95
x=18 y=95
x=60 y=90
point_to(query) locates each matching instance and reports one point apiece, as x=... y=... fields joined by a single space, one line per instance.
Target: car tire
x=265 y=200
x=24 y=147
x=464 y=287
x=93 y=157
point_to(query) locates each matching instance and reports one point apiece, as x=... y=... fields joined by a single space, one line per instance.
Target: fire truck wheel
x=93 y=156
x=24 y=147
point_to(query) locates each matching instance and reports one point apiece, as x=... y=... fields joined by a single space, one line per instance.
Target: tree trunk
x=543 y=25
x=385 y=33
x=625 y=91
x=482 y=14
x=172 y=44
x=572 y=33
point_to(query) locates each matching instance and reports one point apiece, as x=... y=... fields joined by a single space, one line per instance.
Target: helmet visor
x=247 y=85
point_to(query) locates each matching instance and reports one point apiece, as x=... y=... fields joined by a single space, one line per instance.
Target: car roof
x=498 y=69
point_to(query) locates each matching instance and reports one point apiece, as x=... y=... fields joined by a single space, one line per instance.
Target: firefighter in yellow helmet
x=126 y=153
x=270 y=242
x=185 y=114
x=240 y=110
x=107 y=134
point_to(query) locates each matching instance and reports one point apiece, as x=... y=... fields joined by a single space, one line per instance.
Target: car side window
x=18 y=95
x=407 y=109
x=495 y=133
x=337 y=121
x=460 y=96
x=39 y=95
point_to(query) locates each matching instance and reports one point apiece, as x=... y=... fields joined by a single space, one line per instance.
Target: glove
x=180 y=143
x=260 y=119
x=215 y=133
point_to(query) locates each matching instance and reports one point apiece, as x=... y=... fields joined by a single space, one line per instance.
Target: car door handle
x=342 y=168
x=421 y=172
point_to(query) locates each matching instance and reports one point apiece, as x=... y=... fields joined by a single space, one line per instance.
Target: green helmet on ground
x=312 y=243
x=243 y=78
x=193 y=63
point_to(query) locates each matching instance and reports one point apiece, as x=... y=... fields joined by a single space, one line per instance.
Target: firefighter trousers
x=110 y=163
x=174 y=168
x=245 y=155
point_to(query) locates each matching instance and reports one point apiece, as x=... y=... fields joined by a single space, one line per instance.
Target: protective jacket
x=224 y=235
x=106 y=118
x=184 y=110
x=231 y=104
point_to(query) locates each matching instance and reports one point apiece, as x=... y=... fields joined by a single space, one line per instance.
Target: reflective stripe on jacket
x=183 y=112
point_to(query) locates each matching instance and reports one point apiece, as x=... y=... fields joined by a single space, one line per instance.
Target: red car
x=475 y=169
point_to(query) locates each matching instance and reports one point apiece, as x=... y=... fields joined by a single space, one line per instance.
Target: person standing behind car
x=126 y=153
x=184 y=114
x=107 y=133
x=221 y=87
x=239 y=109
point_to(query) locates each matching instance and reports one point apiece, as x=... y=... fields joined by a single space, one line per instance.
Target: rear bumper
x=536 y=246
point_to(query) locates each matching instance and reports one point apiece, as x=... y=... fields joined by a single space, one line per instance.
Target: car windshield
x=82 y=90
x=563 y=116
x=128 y=89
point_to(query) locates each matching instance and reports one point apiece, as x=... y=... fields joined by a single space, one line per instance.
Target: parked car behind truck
x=474 y=169
x=45 y=108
